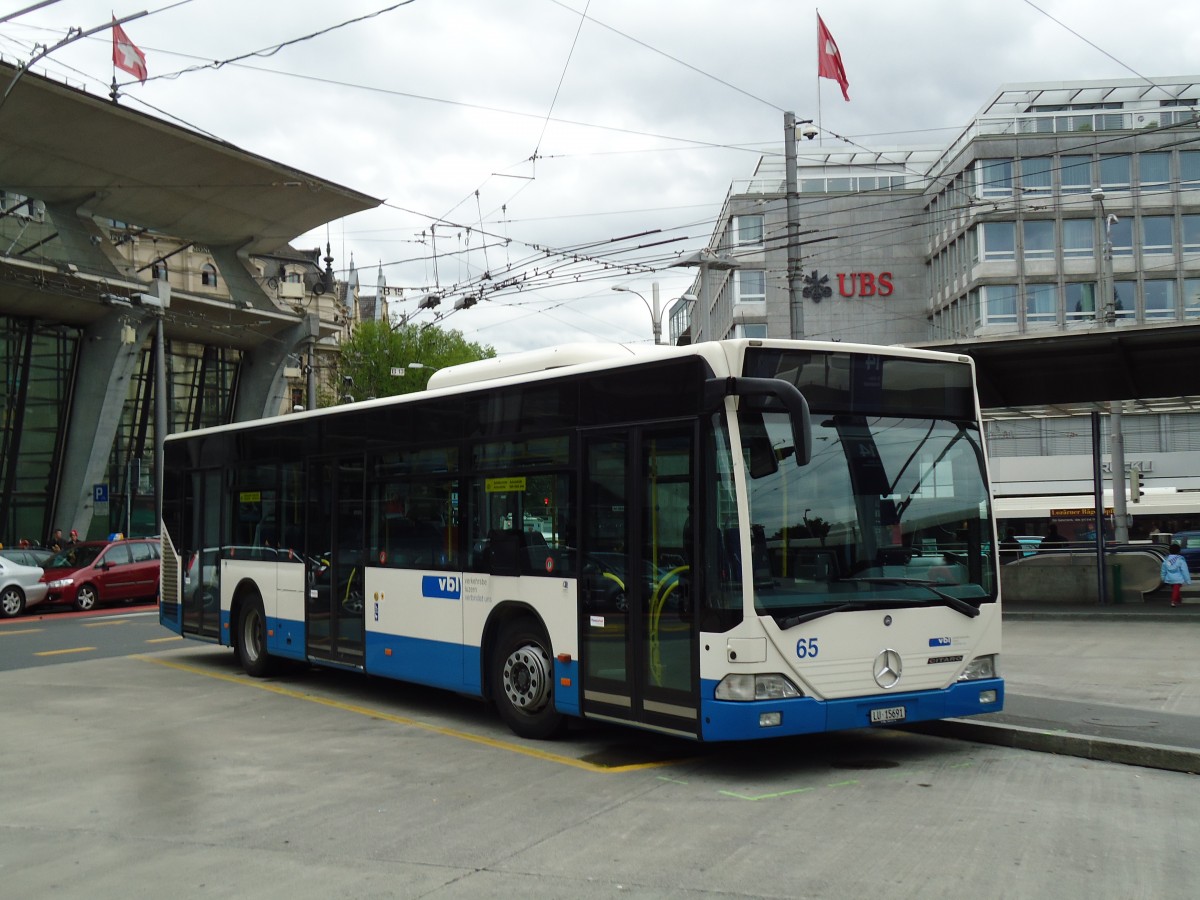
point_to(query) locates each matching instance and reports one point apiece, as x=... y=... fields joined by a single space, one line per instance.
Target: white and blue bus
x=725 y=541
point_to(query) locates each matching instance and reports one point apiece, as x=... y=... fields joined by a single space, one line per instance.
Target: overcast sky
x=545 y=126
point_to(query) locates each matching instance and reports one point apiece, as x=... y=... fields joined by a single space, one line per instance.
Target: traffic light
x=1135 y=485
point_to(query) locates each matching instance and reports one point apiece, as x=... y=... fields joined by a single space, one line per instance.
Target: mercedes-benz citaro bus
x=725 y=541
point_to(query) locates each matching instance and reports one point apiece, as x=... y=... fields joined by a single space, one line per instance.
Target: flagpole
x=820 y=128
x=73 y=34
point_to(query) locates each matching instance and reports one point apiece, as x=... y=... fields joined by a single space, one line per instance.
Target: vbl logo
x=447 y=587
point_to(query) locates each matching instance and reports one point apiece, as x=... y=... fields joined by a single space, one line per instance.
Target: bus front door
x=638 y=645
x=333 y=608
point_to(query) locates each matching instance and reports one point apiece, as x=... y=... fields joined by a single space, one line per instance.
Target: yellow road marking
x=174 y=637
x=60 y=652
x=105 y=623
x=21 y=631
x=405 y=720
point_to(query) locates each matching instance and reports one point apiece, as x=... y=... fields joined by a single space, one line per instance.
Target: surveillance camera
x=1097 y=194
x=809 y=130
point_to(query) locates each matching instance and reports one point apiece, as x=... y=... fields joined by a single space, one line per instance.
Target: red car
x=103 y=572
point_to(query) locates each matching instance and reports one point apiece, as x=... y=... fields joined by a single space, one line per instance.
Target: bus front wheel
x=252 y=639
x=522 y=680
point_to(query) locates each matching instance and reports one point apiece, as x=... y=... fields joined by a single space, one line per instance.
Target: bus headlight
x=980 y=667
x=746 y=688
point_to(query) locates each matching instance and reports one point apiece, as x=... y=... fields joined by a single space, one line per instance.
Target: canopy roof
x=61 y=144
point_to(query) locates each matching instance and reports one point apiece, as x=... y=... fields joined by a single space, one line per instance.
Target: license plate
x=888 y=714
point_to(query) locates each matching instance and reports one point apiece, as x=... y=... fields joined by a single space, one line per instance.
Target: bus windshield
x=891 y=511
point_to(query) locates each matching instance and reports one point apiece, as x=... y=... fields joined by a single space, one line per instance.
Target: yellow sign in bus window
x=250 y=497
x=504 y=485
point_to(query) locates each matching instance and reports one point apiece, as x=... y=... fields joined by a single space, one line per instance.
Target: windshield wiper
x=790 y=621
x=953 y=602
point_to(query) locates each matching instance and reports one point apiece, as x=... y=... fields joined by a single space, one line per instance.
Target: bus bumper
x=723 y=720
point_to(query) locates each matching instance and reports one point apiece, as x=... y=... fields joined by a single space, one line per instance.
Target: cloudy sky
x=561 y=147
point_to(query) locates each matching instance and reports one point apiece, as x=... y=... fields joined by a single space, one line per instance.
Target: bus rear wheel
x=252 y=640
x=522 y=679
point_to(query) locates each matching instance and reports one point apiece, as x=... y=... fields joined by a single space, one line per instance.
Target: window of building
x=208 y=275
x=1191 y=234
x=750 y=285
x=747 y=231
x=1041 y=304
x=1189 y=168
x=1191 y=298
x=1154 y=170
x=1078 y=238
x=1075 y=174
x=1035 y=174
x=1114 y=172
x=1038 y=236
x=812 y=185
x=995 y=177
x=999 y=304
x=1121 y=234
x=1160 y=298
x=1080 y=297
x=751 y=330
x=999 y=240
x=1156 y=234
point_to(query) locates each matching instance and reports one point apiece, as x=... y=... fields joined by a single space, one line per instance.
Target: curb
x=1090 y=616
x=1133 y=753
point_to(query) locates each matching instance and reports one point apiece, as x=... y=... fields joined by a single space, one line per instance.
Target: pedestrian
x=1175 y=573
x=56 y=540
x=73 y=540
x=1053 y=536
x=1010 y=547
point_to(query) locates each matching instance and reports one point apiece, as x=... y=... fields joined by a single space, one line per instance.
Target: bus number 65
x=806 y=648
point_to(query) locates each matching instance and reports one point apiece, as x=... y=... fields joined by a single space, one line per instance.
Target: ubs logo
x=850 y=284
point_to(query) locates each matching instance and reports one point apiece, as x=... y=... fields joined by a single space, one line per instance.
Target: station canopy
x=1154 y=367
x=61 y=144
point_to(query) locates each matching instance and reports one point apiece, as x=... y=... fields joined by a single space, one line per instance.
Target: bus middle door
x=638 y=636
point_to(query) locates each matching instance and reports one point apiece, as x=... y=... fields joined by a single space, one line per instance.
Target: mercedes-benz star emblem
x=888 y=667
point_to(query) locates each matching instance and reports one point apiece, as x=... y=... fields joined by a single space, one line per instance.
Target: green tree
x=375 y=349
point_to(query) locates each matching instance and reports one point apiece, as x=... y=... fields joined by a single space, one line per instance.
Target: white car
x=20 y=587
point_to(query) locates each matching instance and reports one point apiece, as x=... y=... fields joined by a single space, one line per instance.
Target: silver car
x=20 y=587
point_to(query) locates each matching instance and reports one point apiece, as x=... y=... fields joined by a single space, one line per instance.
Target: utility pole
x=793 y=226
x=1116 y=436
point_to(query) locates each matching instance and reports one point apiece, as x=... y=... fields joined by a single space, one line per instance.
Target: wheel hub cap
x=527 y=678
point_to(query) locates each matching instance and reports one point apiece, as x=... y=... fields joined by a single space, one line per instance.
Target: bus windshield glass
x=893 y=509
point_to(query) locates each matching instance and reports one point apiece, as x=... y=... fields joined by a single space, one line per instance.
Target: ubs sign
x=850 y=284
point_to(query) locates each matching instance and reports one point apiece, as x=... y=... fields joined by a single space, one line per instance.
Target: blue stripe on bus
x=435 y=663
x=724 y=720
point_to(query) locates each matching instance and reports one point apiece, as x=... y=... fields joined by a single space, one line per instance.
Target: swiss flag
x=829 y=58
x=126 y=56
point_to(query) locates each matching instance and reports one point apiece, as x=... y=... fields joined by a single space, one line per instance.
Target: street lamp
x=1106 y=261
x=655 y=312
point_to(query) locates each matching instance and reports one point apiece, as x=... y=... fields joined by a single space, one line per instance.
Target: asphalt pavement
x=1114 y=682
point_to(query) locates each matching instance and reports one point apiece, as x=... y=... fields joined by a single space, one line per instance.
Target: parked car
x=96 y=572
x=20 y=587
x=1189 y=548
x=30 y=556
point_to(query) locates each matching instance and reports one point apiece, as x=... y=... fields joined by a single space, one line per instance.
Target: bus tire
x=522 y=680
x=252 y=639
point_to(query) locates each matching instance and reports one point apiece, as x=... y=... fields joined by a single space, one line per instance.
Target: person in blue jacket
x=1175 y=573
